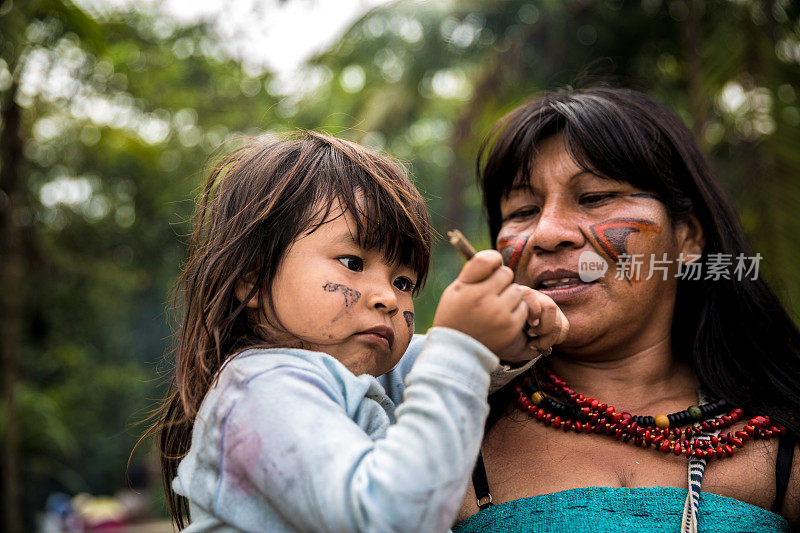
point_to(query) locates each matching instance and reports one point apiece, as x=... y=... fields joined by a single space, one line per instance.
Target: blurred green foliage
x=120 y=113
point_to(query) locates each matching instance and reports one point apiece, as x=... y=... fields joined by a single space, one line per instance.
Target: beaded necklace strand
x=538 y=395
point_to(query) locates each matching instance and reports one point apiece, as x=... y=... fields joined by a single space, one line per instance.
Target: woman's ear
x=246 y=294
x=691 y=239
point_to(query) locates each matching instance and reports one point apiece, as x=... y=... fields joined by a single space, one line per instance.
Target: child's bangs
x=388 y=212
x=384 y=225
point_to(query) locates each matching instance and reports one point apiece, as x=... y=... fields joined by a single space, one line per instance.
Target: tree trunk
x=762 y=186
x=11 y=277
x=694 y=70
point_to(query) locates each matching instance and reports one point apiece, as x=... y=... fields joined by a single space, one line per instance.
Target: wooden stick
x=461 y=244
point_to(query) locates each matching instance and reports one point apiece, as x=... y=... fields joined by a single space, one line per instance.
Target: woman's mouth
x=565 y=289
x=561 y=285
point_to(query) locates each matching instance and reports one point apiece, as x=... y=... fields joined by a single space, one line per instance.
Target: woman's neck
x=647 y=377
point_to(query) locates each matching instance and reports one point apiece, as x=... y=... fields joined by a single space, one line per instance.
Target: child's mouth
x=382 y=335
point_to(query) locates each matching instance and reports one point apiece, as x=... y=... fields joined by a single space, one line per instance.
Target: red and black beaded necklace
x=548 y=398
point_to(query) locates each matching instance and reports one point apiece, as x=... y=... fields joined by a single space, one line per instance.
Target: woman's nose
x=555 y=229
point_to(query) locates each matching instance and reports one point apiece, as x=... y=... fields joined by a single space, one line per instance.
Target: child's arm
x=551 y=328
x=547 y=323
x=300 y=446
x=484 y=303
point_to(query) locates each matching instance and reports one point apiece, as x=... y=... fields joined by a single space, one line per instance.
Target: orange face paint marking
x=511 y=249
x=612 y=235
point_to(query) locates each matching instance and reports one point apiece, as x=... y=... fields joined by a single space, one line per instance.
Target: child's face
x=345 y=301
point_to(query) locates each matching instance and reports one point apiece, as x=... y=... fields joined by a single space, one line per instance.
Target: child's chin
x=372 y=363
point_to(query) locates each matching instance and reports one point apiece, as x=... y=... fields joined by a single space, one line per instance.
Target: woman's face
x=559 y=231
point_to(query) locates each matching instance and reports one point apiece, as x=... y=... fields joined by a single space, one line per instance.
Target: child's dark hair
x=257 y=201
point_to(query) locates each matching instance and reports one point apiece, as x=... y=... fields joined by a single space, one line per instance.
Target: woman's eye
x=596 y=198
x=355 y=264
x=404 y=284
x=523 y=213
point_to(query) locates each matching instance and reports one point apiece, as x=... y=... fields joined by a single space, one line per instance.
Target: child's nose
x=384 y=299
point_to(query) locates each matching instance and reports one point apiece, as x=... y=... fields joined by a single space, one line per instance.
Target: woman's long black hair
x=740 y=340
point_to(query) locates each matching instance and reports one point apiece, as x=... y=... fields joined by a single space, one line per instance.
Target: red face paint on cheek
x=611 y=235
x=611 y=238
x=511 y=249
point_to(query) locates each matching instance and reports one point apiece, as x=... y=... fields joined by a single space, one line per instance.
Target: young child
x=297 y=293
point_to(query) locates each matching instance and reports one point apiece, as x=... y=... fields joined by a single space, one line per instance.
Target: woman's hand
x=546 y=323
x=484 y=303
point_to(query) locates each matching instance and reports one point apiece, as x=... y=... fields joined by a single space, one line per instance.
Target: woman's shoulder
x=790 y=507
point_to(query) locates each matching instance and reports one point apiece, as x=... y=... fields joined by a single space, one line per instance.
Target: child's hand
x=546 y=322
x=484 y=303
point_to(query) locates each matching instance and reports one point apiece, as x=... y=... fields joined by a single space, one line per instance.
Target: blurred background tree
x=109 y=116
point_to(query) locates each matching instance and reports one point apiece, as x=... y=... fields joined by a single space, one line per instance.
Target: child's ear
x=245 y=293
x=691 y=239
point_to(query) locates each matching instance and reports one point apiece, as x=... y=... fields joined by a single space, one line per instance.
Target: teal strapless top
x=600 y=509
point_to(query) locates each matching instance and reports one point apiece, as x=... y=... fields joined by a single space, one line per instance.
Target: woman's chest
x=526 y=459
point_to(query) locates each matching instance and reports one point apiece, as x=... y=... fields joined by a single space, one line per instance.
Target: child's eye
x=404 y=284
x=596 y=198
x=525 y=212
x=356 y=264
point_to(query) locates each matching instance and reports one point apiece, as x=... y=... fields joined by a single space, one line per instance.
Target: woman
x=575 y=180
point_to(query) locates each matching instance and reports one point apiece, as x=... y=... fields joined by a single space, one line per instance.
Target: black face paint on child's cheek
x=351 y=296
x=611 y=236
x=409 y=316
x=511 y=249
